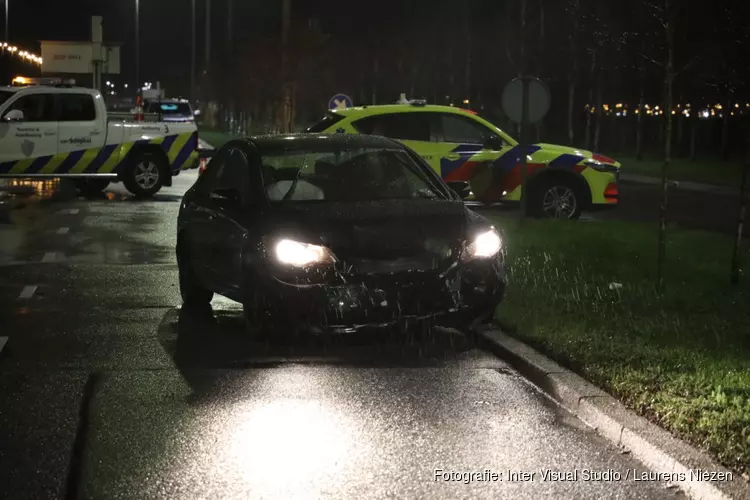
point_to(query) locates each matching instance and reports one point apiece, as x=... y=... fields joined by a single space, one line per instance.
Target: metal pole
x=524 y=148
x=192 y=57
x=137 y=47
x=7 y=37
x=229 y=26
x=208 y=33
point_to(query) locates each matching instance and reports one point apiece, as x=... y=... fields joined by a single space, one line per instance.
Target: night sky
x=164 y=30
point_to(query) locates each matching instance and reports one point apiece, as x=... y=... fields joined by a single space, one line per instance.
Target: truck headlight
x=484 y=245
x=298 y=254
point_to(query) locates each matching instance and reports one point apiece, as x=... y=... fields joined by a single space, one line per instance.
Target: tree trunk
x=599 y=111
x=467 y=68
x=571 y=107
x=669 y=84
x=375 y=81
x=737 y=250
x=727 y=109
x=694 y=114
x=639 y=122
x=680 y=127
x=591 y=101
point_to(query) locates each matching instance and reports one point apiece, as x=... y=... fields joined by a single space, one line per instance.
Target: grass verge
x=682 y=358
x=701 y=170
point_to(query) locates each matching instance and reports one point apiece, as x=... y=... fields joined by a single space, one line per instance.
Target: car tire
x=92 y=187
x=192 y=292
x=556 y=198
x=144 y=175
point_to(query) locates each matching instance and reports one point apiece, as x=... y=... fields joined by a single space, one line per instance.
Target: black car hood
x=378 y=236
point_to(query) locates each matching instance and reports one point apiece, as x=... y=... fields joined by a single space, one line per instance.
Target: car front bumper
x=468 y=294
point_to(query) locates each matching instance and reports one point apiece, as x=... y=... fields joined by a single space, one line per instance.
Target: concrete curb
x=682 y=185
x=650 y=444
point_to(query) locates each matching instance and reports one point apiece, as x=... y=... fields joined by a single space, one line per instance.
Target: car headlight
x=485 y=245
x=601 y=167
x=295 y=253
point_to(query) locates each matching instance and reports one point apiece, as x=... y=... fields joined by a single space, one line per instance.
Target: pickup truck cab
x=65 y=132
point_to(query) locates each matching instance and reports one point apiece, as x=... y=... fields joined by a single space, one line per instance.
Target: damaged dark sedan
x=335 y=233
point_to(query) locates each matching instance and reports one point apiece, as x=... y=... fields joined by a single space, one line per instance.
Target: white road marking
x=3 y=341
x=70 y=211
x=63 y=230
x=27 y=292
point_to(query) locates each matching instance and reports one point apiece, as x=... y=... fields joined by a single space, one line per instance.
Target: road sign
x=340 y=101
x=539 y=100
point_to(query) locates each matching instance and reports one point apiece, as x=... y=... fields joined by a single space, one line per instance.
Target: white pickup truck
x=61 y=131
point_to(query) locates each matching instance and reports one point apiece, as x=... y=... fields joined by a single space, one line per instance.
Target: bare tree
x=574 y=8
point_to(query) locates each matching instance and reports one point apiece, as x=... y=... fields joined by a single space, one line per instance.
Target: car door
x=78 y=128
x=230 y=202
x=28 y=140
x=469 y=145
x=198 y=217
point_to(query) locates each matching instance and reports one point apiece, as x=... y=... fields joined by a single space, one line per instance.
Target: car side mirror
x=14 y=115
x=494 y=143
x=461 y=188
x=227 y=197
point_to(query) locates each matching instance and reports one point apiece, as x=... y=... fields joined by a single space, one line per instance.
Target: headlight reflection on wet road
x=286 y=444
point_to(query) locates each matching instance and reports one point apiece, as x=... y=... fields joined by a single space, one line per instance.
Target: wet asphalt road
x=109 y=390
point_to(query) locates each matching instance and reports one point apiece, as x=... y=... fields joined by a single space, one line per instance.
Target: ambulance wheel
x=145 y=174
x=90 y=187
x=556 y=198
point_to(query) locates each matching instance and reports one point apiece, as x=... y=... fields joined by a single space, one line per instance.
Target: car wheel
x=145 y=174
x=192 y=292
x=90 y=187
x=556 y=199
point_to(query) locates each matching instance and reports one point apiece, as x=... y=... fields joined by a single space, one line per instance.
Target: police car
x=57 y=130
x=462 y=146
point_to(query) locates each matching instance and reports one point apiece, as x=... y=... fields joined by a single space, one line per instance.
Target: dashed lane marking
x=63 y=230
x=3 y=341
x=70 y=211
x=27 y=292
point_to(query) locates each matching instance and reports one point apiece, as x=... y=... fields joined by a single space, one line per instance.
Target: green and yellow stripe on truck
x=180 y=149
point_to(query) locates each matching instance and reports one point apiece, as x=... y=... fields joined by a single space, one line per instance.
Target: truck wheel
x=145 y=174
x=91 y=187
x=556 y=198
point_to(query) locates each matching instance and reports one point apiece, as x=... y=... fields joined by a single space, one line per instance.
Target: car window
x=328 y=120
x=234 y=173
x=345 y=175
x=404 y=126
x=460 y=129
x=207 y=181
x=36 y=107
x=76 y=108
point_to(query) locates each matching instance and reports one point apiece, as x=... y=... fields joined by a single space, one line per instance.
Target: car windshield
x=5 y=95
x=345 y=175
x=170 y=108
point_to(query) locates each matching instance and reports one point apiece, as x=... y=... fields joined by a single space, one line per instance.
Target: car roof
x=378 y=109
x=303 y=141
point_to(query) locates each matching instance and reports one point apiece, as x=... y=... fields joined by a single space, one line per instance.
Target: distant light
x=736 y=105
x=705 y=114
x=466 y=101
x=674 y=112
x=109 y=83
x=126 y=85
x=656 y=108
x=619 y=114
x=618 y=105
